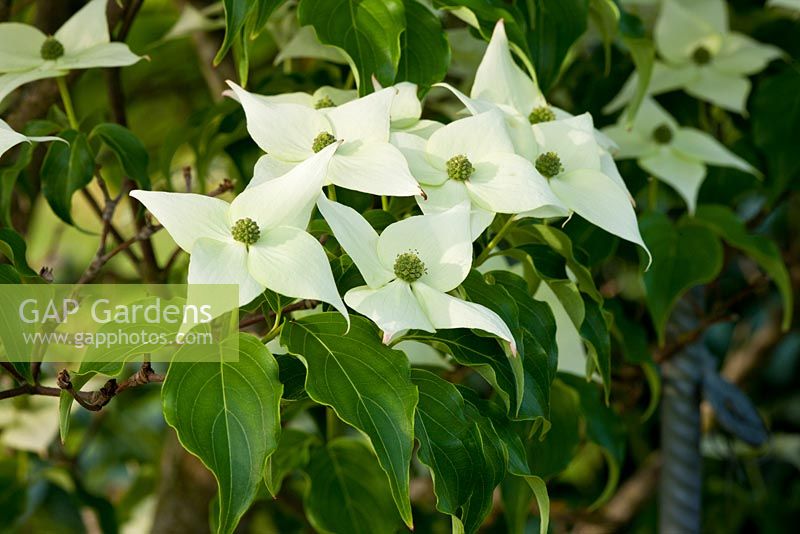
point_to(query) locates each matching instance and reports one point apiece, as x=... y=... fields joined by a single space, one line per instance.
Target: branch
x=106 y=216
x=91 y=400
x=115 y=233
x=30 y=389
x=91 y=272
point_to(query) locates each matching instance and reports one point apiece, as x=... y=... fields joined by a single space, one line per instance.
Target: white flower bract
x=500 y=182
x=281 y=256
x=364 y=161
x=673 y=154
x=439 y=248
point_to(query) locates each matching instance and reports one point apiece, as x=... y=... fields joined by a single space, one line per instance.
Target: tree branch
x=91 y=400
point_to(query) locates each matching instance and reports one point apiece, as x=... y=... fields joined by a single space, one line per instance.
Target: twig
x=106 y=217
x=187 y=177
x=30 y=389
x=223 y=187
x=112 y=229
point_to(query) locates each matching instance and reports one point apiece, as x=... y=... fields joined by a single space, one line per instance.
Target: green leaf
x=493 y=460
x=128 y=148
x=555 y=26
x=684 y=256
x=725 y=223
x=424 y=50
x=449 y=443
x=540 y=355
x=539 y=489
x=595 y=333
x=228 y=415
x=236 y=13
x=348 y=492
x=776 y=125
x=605 y=16
x=603 y=427
x=484 y=14
x=367 y=30
x=635 y=348
x=13 y=247
x=643 y=54
x=9 y=275
x=293 y=452
x=507 y=436
x=517 y=492
x=366 y=383
x=264 y=9
x=497 y=299
x=65 y=401
x=481 y=353
x=66 y=169
x=549 y=456
x=8 y=179
x=559 y=243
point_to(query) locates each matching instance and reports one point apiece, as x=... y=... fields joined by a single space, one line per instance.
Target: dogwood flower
x=404 y=115
x=409 y=269
x=501 y=84
x=702 y=56
x=569 y=159
x=256 y=241
x=675 y=155
x=9 y=138
x=83 y=42
x=473 y=160
x=364 y=161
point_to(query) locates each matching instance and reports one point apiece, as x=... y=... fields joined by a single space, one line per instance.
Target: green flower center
x=246 y=231
x=322 y=140
x=701 y=55
x=324 y=102
x=662 y=134
x=51 y=49
x=459 y=168
x=549 y=164
x=541 y=114
x=408 y=267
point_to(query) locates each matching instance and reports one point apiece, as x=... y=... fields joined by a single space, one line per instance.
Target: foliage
x=459 y=277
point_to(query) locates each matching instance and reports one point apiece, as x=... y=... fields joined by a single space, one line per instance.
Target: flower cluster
x=700 y=55
x=514 y=155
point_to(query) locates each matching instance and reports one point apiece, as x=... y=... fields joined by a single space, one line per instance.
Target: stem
x=332 y=192
x=273 y=333
x=333 y=426
x=484 y=255
x=67 y=100
x=385 y=203
x=350 y=81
